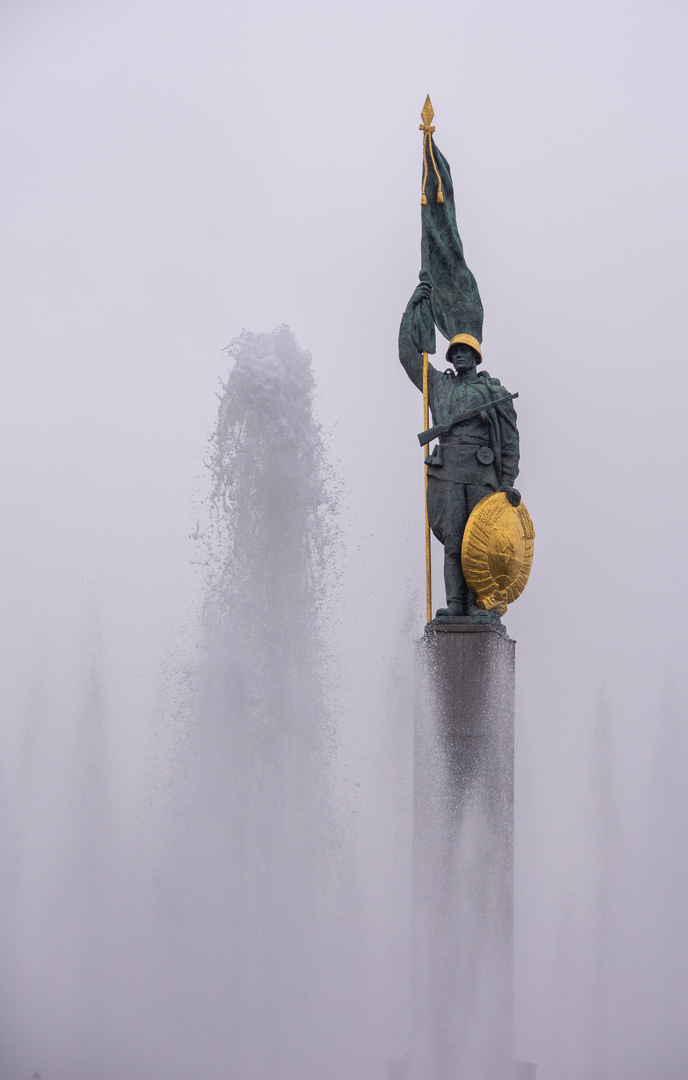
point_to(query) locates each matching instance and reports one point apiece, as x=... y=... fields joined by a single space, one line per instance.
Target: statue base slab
x=466 y=624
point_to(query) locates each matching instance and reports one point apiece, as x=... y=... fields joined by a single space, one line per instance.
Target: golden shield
x=497 y=551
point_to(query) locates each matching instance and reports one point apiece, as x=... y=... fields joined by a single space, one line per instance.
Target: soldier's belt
x=468 y=440
x=484 y=453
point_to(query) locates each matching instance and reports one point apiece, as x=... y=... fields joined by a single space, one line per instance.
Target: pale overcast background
x=174 y=172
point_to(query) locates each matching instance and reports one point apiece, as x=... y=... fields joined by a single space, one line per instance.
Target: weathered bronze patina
x=477 y=453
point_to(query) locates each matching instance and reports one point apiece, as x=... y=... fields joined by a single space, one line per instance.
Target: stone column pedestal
x=463 y=853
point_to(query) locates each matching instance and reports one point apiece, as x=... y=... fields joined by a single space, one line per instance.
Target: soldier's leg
x=447 y=513
x=454 y=582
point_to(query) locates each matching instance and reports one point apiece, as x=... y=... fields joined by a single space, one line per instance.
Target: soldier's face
x=462 y=356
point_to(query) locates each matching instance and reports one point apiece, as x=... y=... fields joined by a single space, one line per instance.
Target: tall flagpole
x=426 y=127
x=428 y=563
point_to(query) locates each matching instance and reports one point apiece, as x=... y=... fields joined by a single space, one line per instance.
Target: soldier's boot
x=455 y=586
x=471 y=605
x=472 y=609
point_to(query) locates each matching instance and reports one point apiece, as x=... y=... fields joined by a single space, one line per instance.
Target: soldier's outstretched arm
x=410 y=355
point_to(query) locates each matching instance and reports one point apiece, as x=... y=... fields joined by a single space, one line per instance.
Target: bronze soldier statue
x=474 y=459
x=477 y=455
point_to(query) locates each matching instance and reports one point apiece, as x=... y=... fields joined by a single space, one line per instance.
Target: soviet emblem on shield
x=497 y=552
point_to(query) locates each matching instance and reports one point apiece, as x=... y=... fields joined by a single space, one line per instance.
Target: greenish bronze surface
x=453 y=304
x=480 y=454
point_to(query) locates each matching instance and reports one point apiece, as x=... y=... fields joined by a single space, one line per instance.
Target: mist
x=174 y=174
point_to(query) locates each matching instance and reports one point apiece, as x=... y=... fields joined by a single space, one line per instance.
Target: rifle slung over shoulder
x=424 y=437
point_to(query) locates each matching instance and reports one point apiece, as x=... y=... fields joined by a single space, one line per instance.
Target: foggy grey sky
x=174 y=172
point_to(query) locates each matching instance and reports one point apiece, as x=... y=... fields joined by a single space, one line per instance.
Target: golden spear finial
x=427 y=116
